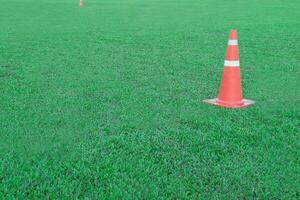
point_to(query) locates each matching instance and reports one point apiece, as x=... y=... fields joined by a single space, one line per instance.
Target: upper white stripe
x=232 y=42
x=232 y=63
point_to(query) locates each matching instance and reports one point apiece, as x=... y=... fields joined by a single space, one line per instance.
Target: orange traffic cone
x=230 y=93
x=81 y=3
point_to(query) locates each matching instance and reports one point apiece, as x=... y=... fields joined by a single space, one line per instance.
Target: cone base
x=246 y=103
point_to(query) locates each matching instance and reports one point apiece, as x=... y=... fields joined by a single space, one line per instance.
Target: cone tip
x=233 y=34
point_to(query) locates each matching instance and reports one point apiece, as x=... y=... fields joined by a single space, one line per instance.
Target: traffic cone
x=230 y=93
x=81 y=3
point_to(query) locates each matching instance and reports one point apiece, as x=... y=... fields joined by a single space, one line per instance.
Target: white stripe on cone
x=232 y=63
x=233 y=42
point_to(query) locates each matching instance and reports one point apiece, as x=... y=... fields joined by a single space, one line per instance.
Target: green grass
x=105 y=101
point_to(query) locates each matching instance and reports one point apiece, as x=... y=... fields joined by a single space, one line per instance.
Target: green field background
x=104 y=102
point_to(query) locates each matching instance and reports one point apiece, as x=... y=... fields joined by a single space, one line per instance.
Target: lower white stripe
x=232 y=42
x=232 y=63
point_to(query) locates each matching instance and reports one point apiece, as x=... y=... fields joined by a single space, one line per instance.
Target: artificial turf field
x=104 y=102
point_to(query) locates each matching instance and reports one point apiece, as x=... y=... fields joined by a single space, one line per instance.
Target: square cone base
x=246 y=103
